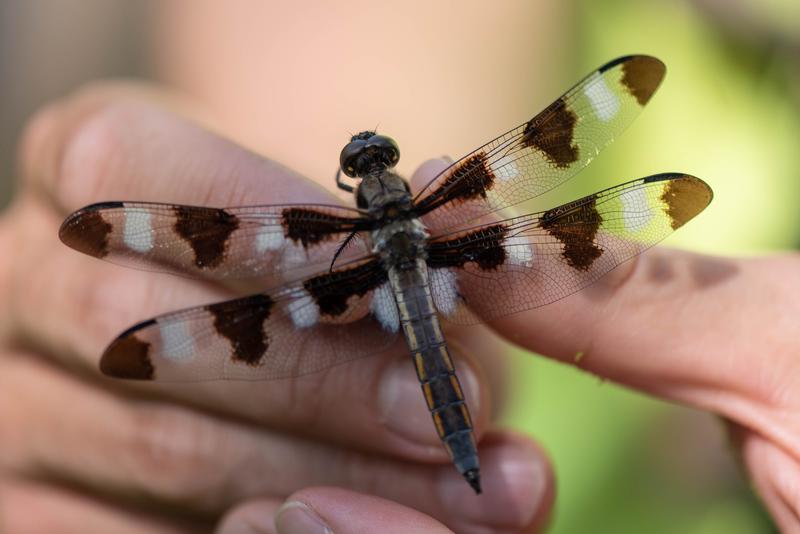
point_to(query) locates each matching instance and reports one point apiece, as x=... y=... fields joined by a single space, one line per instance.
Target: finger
x=256 y=516
x=339 y=510
x=163 y=452
x=335 y=509
x=128 y=141
x=30 y=508
x=168 y=454
x=317 y=509
x=775 y=474
x=345 y=511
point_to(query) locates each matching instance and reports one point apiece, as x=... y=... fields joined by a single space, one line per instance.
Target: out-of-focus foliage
x=728 y=112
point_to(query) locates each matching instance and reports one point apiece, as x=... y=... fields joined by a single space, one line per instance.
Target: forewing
x=213 y=243
x=296 y=329
x=545 y=151
x=525 y=262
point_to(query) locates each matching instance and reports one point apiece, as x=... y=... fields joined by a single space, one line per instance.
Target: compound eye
x=387 y=146
x=349 y=157
x=394 y=155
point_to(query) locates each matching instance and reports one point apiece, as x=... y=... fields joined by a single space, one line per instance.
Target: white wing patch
x=505 y=168
x=604 y=102
x=176 y=341
x=444 y=288
x=520 y=251
x=384 y=308
x=268 y=239
x=637 y=212
x=293 y=256
x=303 y=310
x=138 y=232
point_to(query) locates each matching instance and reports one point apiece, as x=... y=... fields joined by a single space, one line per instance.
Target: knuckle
x=92 y=151
x=81 y=128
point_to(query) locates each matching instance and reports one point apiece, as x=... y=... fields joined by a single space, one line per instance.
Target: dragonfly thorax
x=385 y=194
x=400 y=243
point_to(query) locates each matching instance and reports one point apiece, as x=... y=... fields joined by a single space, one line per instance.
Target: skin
x=90 y=454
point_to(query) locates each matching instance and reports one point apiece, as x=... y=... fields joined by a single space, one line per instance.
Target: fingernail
x=295 y=517
x=508 y=469
x=402 y=404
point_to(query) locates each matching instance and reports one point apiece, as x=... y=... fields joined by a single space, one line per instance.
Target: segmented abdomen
x=435 y=368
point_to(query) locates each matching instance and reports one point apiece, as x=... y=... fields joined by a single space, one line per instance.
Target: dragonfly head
x=368 y=153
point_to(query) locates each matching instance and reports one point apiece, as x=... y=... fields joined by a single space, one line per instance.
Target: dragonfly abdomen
x=435 y=368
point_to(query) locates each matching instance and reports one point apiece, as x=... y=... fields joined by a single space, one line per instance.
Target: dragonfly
x=400 y=263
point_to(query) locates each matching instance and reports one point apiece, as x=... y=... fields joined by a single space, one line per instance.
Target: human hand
x=718 y=334
x=84 y=453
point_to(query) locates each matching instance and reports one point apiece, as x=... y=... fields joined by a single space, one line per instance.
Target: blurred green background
x=626 y=463
x=729 y=112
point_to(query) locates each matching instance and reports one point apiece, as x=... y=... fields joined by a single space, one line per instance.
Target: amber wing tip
x=473 y=478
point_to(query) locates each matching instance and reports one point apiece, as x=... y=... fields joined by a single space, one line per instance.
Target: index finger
x=82 y=150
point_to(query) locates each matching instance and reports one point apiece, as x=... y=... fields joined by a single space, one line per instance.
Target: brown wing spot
x=331 y=291
x=207 y=231
x=575 y=225
x=684 y=199
x=641 y=76
x=551 y=132
x=242 y=323
x=472 y=178
x=467 y=180
x=87 y=232
x=310 y=227
x=128 y=357
x=484 y=247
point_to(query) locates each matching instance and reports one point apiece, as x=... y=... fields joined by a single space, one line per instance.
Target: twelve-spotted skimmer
x=440 y=255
